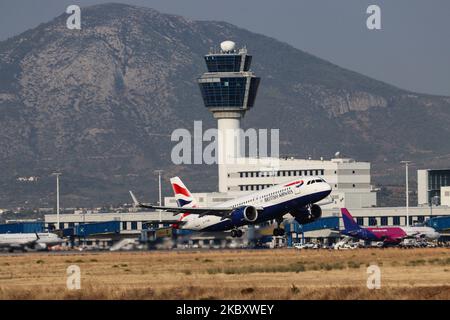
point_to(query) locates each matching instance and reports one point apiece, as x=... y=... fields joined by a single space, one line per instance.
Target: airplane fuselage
x=21 y=240
x=393 y=234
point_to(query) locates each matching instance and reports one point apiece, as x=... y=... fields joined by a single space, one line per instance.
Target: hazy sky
x=411 y=51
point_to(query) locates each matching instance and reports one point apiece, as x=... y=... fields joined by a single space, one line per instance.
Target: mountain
x=99 y=104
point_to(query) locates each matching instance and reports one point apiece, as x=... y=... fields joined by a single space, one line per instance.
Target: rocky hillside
x=99 y=104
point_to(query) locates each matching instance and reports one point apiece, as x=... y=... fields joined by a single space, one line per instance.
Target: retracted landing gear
x=236 y=233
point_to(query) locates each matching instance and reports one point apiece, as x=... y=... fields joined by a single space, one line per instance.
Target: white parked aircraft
x=29 y=241
x=297 y=197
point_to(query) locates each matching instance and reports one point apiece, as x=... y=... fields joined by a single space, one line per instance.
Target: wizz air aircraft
x=296 y=197
x=388 y=235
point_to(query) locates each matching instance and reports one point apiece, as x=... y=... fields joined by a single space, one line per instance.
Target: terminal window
x=396 y=221
x=372 y=221
x=384 y=221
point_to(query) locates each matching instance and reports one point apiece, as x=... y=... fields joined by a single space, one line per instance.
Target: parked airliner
x=297 y=197
x=388 y=235
x=29 y=241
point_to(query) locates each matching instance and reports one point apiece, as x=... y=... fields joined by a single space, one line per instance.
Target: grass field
x=229 y=274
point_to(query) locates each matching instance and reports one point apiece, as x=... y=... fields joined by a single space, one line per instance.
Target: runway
x=229 y=274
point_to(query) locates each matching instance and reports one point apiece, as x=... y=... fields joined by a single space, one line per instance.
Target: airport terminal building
x=431 y=186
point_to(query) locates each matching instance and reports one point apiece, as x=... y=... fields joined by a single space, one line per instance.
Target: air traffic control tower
x=229 y=90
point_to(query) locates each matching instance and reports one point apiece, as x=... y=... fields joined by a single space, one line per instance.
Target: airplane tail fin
x=349 y=223
x=182 y=194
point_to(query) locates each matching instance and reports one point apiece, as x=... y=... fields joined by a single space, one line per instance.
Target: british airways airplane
x=388 y=235
x=296 y=197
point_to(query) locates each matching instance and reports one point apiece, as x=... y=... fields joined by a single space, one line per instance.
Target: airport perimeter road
x=229 y=274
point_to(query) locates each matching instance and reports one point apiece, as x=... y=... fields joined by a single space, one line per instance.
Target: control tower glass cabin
x=229 y=85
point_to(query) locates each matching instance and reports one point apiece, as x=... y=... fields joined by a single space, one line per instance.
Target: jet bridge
x=294 y=230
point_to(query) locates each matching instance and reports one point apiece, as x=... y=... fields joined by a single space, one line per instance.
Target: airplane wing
x=175 y=221
x=204 y=211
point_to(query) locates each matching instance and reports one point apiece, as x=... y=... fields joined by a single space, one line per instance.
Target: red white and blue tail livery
x=182 y=194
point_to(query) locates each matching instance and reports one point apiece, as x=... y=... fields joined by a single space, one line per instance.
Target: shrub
x=247 y=291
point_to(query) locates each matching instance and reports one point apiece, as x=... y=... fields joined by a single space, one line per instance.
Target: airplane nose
x=327 y=188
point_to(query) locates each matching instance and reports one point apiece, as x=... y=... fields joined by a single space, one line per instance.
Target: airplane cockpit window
x=318 y=180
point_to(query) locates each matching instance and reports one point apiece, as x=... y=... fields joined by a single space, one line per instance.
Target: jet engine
x=248 y=214
x=307 y=214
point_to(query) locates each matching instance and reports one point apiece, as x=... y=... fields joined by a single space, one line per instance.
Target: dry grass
x=233 y=274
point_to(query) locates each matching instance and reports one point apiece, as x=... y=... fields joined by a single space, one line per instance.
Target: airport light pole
x=159 y=172
x=57 y=174
x=407 y=163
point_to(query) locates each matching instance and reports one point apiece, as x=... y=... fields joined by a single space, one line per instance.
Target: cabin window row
x=254 y=187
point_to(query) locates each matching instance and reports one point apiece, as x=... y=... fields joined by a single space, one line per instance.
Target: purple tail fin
x=349 y=222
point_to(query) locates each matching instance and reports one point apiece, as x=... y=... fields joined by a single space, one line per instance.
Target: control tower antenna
x=228 y=89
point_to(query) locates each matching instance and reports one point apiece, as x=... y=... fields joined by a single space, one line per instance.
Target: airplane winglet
x=136 y=203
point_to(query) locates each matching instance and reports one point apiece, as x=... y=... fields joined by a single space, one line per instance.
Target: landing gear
x=278 y=232
x=236 y=233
